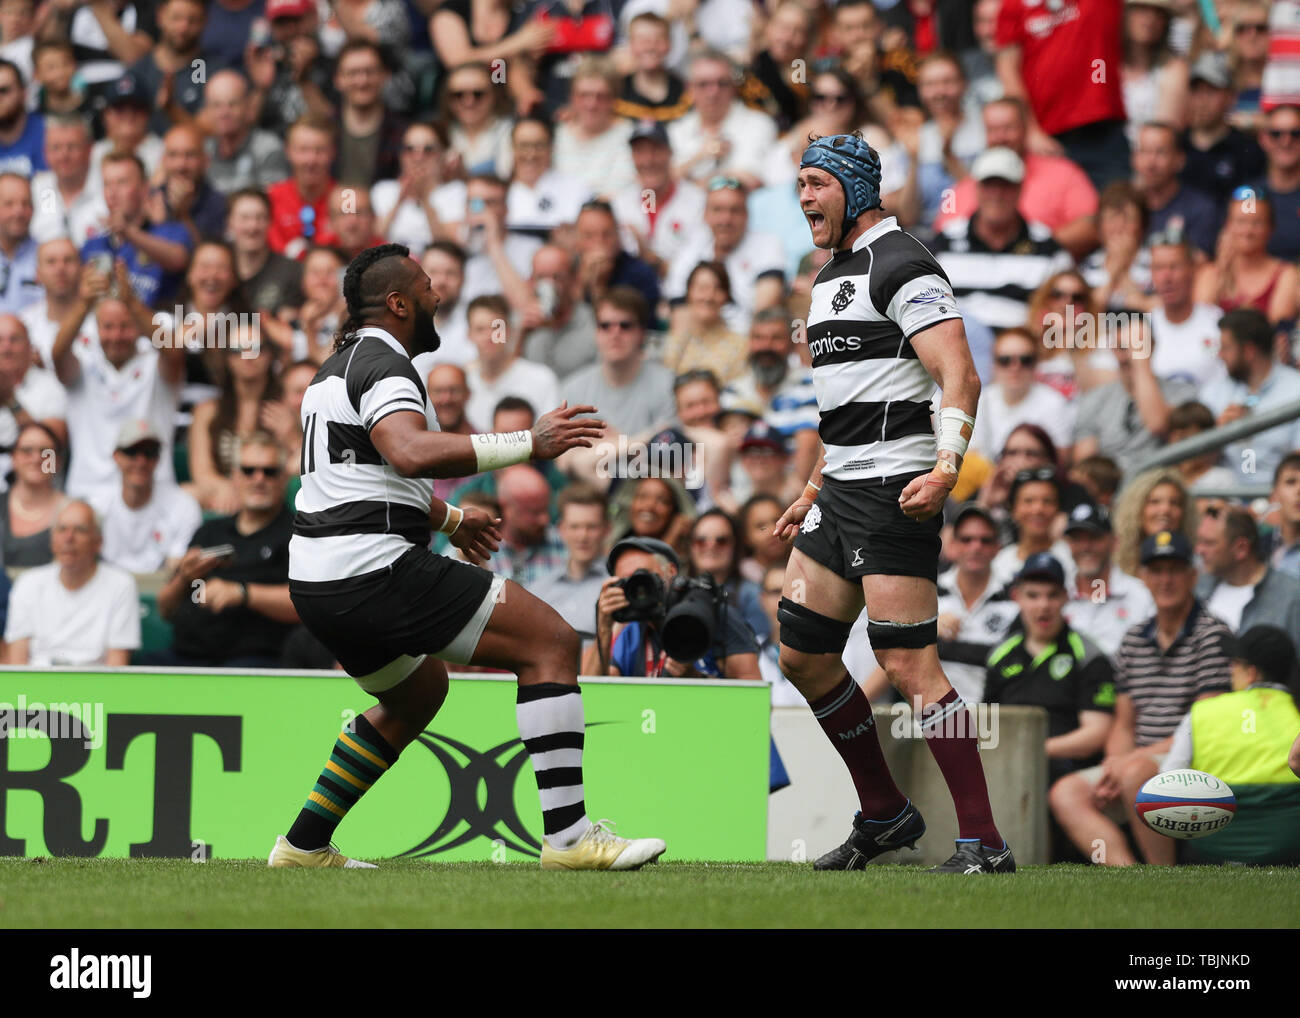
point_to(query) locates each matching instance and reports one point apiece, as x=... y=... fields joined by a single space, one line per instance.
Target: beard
x=425 y=338
x=769 y=369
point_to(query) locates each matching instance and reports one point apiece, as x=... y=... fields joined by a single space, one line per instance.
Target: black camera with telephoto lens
x=686 y=612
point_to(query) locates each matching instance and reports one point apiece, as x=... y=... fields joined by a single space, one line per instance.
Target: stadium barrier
x=215 y=764
x=812 y=815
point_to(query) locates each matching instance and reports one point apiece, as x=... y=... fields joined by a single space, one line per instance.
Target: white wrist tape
x=452 y=523
x=502 y=449
x=955 y=430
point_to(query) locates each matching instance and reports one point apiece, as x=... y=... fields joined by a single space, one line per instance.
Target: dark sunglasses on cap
x=270 y=472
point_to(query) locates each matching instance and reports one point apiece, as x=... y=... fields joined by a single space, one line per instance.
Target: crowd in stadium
x=603 y=195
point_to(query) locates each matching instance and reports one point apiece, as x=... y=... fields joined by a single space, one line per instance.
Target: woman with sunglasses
x=1017 y=397
x=250 y=383
x=478 y=131
x=700 y=339
x=715 y=552
x=483 y=31
x=1244 y=274
x=836 y=105
x=1247 y=42
x=425 y=203
x=1074 y=354
x=1149 y=503
x=28 y=508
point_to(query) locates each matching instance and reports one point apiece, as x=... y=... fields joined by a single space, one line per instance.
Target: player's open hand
x=558 y=431
x=921 y=500
x=478 y=535
x=788 y=525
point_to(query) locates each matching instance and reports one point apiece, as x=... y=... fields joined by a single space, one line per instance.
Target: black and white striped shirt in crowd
x=873 y=393
x=356 y=514
x=1163 y=684
x=994 y=286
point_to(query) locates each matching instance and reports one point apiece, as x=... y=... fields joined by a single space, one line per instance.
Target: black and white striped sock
x=550 y=722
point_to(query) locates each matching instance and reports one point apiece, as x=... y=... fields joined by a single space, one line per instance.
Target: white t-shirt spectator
x=74 y=627
x=603 y=164
x=674 y=219
x=534 y=382
x=751 y=134
x=1110 y=611
x=141 y=540
x=1190 y=349
x=410 y=226
x=1043 y=405
x=42 y=332
x=101 y=400
x=1228 y=602
x=555 y=200
x=85 y=217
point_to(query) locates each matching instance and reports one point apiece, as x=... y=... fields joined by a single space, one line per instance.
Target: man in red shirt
x=1063 y=57
x=1055 y=192
x=300 y=205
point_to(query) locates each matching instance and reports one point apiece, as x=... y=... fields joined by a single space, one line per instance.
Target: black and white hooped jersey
x=356 y=513
x=872 y=391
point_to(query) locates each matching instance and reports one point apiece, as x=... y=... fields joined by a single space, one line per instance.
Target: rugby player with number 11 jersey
x=883 y=331
x=365 y=583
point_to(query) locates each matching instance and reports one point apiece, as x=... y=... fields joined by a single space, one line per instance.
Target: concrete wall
x=814 y=813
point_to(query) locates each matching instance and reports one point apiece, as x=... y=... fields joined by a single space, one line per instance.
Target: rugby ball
x=1186 y=804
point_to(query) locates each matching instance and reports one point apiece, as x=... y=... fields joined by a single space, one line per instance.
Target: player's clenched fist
x=558 y=431
x=923 y=497
x=478 y=535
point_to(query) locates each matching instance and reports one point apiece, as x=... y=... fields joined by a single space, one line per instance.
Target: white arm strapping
x=955 y=430
x=453 y=513
x=502 y=449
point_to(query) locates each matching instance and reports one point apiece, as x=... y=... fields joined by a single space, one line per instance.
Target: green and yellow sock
x=359 y=759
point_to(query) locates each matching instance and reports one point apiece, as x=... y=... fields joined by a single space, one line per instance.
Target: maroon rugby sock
x=845 y=716
x=949 y=731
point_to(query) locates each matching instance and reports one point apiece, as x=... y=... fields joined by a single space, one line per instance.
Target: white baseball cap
x=999 y=164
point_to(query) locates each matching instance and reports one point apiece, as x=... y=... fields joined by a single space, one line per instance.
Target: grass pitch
x=167 y=893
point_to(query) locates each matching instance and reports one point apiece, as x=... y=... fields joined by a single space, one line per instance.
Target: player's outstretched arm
x=945 y=354
x=404 y=440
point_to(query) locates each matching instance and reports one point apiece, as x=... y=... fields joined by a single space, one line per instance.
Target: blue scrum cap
x=852 y=162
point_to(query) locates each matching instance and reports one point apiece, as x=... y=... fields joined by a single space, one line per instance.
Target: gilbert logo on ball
x=1186 y=804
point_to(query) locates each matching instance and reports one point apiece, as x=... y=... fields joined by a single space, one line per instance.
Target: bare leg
x=1090 y=830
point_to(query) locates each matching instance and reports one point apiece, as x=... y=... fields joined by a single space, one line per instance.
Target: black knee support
x=903 y=635
x=808 y=631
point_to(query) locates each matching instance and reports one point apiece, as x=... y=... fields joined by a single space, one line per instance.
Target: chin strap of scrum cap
x=852 y=162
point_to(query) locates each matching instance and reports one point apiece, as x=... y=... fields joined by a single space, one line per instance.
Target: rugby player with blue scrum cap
x=883 y=330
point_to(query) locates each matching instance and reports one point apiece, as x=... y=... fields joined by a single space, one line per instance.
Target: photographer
x=641 y=613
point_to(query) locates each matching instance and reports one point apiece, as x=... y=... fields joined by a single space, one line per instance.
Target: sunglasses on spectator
x=270 y=472
x=831 y=98
x=461 y=94
x=1025 y=360
x=1277 y=134
x=149 y=450
x=976 y=539
x=427 y=150
x=704 y=541
x=609 y=326
x=725 y=184
x=1250 y=26
x=1056 y=294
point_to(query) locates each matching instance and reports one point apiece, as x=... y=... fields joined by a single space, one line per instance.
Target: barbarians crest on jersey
x=841 y=300
x=813 y=520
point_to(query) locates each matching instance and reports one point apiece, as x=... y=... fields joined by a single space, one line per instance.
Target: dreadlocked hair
x=363 y=300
